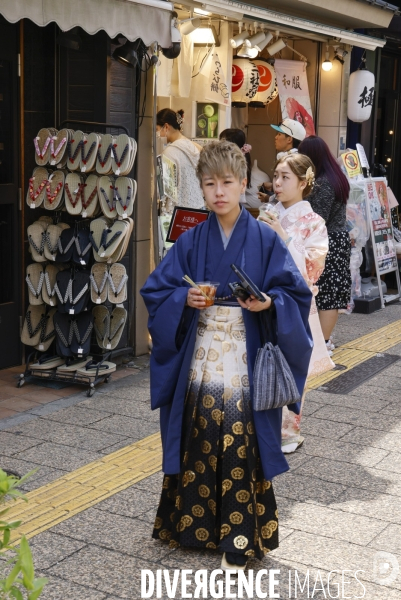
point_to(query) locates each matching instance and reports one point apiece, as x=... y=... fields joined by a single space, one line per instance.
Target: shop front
x=62 y=95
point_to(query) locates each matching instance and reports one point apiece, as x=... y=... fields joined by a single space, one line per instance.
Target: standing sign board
x=382 y=232
x=184 y=219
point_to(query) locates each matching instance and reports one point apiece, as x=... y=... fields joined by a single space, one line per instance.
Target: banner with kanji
x=293 y=90
x=217 y=89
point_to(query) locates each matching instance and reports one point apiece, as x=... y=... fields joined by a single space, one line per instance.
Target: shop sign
x=217 y=86
x=381 y=226
x=184 y=219
x=293 y=89
x=361 y=92
x=352 y=163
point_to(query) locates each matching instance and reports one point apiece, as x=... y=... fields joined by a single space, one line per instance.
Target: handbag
x=274 y=383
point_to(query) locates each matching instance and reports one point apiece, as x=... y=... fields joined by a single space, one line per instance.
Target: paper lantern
x=267 y=90
x=361 y=92
x=245 y=81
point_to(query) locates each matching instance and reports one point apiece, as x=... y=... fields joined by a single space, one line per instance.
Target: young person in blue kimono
x=219 y=455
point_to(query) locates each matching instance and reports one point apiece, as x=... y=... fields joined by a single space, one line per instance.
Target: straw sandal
x=117 y=284
x=121 y=250
x=105 y=155
x=37 y=187
x=52 y=236
x=99 y=283
x=58 y=146
x=54 y=191
x=118 y=319
x=42 y=147
x=31 y=330
x=125 y=192
x=91 y=368
x=66 y=245
x=36 y=239
x=107 y=198
x=47 y=332
x=72 y=289
x=98 y=234
x=74 y=150
x=83 y=246
x=74 y=187
x=45 y=366
x=89 y=197
x=72 y=366
x=81 y=341
x=48 y=289
x=101 y=323
x=122 y=149
x=114 y=238
x=34 y=277
x=64 y=334
x=89 y=150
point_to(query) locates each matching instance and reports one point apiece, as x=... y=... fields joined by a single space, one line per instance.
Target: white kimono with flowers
x=308 y=247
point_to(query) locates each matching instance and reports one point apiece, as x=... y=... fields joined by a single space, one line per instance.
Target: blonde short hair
x=299 y=164
x=220 y=158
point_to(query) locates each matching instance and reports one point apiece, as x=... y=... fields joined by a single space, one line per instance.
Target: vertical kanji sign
x=217 y=89
x=293 y=89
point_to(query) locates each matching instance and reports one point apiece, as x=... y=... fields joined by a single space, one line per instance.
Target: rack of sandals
x=77 y=284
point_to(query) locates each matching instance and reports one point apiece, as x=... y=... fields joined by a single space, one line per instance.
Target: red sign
x=184 y=219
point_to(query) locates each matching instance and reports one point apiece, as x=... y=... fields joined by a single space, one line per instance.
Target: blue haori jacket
x=200 y=254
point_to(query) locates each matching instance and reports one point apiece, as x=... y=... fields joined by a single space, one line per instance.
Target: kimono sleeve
x=316 y=249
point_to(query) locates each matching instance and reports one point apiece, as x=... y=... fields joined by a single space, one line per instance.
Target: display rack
x=103 y=356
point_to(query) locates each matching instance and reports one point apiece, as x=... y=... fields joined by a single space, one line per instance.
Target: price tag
x=125 y=215
x=82 y=261
x=33 y=205
x=53 y=162
x=75 y=191
x=108 y=347
x=84 y=214
x=51 y=177
x=53 y=257
x=118 y=172
x=80 y=350
x=98 y=301
x=102 y=255
x=120 y=305
x=41 y=347
x=51 y=302
x=83 y=169
x=71 y=311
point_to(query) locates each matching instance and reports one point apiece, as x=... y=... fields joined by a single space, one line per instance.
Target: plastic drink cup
x=210 y=289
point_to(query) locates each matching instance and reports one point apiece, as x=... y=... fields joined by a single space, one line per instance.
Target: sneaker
x=329 y=350
x=331 y=344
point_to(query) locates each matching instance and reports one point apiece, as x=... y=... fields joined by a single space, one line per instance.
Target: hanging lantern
x=245 y=81
x=361 y=92
x=267 y=90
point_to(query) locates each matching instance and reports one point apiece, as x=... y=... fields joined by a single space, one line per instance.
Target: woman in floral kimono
x=305 y=235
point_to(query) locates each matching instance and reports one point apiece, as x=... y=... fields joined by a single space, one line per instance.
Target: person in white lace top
x=185 y=154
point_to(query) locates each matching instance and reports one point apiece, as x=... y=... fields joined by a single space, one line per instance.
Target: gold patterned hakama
x=220 y=498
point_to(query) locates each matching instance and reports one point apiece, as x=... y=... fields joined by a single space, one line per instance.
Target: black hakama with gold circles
x=220 y=499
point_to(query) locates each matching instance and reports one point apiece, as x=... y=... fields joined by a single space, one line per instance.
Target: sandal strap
x=45 y=147
x=30 y=284
x=52 y=196
x=31 y=331
x=43 y=336
x=50 y=293
x=111 y=206
x=68 y=293
x=113 y=332
x=79 y=250
x=99 y=289
x=86 y=157
x=67 y=343
x=114 y=237
x=79 y=295
x=68 y=246
x=119 y=161
x=128 y=199
x=87 y=333
x=55 y=152
x=123 y=281
x=72 y=157
x=35 y=247
x=35 y=195
x=106 y=154
x=85 y=203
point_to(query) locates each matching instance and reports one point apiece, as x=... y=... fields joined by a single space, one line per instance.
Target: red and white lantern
x=245 y=81
x=267 y=90
x=361 y=90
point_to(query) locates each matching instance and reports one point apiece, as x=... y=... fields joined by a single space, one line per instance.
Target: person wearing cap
x=289 y=135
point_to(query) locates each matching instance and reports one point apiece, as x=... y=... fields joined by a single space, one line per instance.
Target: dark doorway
x=10 y=347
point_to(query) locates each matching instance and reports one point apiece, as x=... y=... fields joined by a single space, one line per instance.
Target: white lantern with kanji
x=361 y=90
x=245 y=81
x=267 y=90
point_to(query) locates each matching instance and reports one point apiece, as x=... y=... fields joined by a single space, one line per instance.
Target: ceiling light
x=200 y=11
x=239 y=39
x=127 y=54
x=205 y=36
x=246 y=52
x=276 y=47
x=327 y=65
x=255 y=39
x=189 y=25
x=340 y=54
x=261 y=45
x=70 y=39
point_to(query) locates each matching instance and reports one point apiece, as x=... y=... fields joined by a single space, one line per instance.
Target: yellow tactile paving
x=76 y=491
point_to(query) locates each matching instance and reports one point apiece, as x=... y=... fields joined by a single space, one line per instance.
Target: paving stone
x=131 y=502
x=48 y=549
x=365 y=590
x=335 y=524
x=392 y=462
x=104 y=570
x=362 y=398
x=13 y=445
x=58 y=456
x=78 y=415
x=338 y=450
x=384 y=507
x=60 y=589
x=151 y=484
x=42 y=479
x=130 y=407
x=69 y=435
x=390 y=383
x=310 y=406
x=306 y=488
x=330 y=554
x=354 y=417
x=113 y=531
x=370 y=437
x=134 y=428
x=324 y=428
x=389 y=539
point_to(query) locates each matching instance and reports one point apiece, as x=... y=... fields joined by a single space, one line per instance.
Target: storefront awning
x=290 y=23
x=148 y=20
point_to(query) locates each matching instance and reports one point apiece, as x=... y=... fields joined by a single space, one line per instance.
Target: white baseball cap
x=294 y=129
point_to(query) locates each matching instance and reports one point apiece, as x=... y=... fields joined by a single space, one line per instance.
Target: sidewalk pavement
x=339 y=504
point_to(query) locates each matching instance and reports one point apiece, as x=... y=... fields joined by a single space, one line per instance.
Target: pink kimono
x=308 y=247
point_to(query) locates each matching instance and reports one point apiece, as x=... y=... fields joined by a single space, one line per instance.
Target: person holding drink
x=219 y=455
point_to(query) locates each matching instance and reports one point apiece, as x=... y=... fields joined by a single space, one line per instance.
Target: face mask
x=157 y=134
